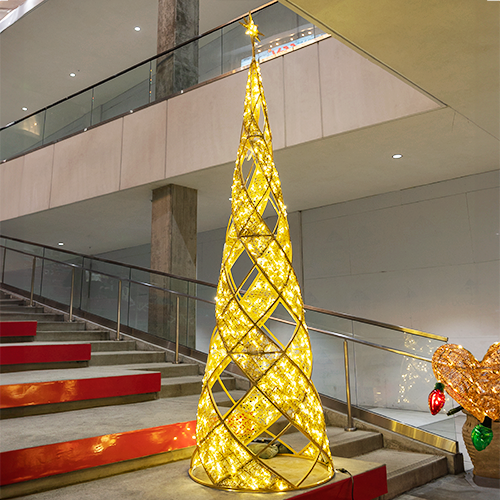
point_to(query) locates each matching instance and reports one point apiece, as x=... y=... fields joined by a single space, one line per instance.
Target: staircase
x=126 y=408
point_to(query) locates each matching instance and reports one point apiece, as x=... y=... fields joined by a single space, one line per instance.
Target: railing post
x=119 y=310
x=33 y=269
x=72 y=294
x=3 y=263
x=177 y=321
x=350 y=424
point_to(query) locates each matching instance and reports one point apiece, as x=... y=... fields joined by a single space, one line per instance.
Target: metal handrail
x=350 y=317
x=131 y=68
x=350 y=423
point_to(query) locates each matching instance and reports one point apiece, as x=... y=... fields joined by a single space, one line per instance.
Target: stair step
x=40 y=317
x=158 y=445
x=97 y=345
x=351 y=444
x=19 y=309
x=36 y=398
x=186 y=386
x=126 y=357
x=64 y=326
x=76 y=335
x=112 y=345
x=169 y=370
x=406 y=470
x=37 y=355
x=18 y=329
x=12 y=302
x=42 y=429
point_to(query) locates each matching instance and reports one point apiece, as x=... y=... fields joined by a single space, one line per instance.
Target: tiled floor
x=456 y=487
x=450 y=427
x=449 y=487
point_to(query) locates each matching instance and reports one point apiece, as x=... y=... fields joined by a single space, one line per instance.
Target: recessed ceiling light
x=60 y=243
x=24 y=108
x=72 y=75
x=137 y=28
x=397 y=156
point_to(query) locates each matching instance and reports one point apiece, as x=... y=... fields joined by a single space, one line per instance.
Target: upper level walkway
x=315 y=89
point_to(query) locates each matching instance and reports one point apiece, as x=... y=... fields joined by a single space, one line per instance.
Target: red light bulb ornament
x=437 y=398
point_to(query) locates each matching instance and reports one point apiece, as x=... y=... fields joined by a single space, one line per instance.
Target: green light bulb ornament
x=482 y=435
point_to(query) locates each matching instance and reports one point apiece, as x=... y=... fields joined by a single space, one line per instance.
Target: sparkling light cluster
x=279 y=375
x=473 y=384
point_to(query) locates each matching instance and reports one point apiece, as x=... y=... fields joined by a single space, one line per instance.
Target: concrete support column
x=178 y=21
x=173 y=250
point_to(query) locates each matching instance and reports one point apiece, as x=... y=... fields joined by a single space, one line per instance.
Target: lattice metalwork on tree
x=282 y=396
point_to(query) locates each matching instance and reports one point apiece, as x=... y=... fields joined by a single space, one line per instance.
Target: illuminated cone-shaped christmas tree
x=281 y=391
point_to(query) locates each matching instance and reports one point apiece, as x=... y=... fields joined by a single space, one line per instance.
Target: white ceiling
x=449 y=49
x=7 y=6
x=92 y=38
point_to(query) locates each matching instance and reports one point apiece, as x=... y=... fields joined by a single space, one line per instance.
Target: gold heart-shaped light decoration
x=473 y=384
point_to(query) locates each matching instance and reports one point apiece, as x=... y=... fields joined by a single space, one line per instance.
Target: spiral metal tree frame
x=279 y=373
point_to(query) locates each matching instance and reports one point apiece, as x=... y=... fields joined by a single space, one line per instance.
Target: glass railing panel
x=214 y=54
x=24 y=247
x=152 y=80
x=22 y=136
x=57 y=277
x=210 y=56
x=100 y=296
x=205 y=325
x=406 y=342
x=121 y=94
x=2 y=254
x=328 y=365
x=162 y=314
x=315 y=319
x=18 y=270
x=138 y=312
x=397 y=387
x=205 y=316
x=118 y=270
x=56 y=282
x=448 y=427
x=68 y=117
x=236 y=47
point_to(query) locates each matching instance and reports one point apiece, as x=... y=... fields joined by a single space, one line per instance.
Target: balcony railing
x=221 y=51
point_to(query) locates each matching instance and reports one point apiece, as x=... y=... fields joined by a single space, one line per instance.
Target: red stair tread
x=60 y=391
x=18 y=328
x=59 y=458
x=20 y=354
